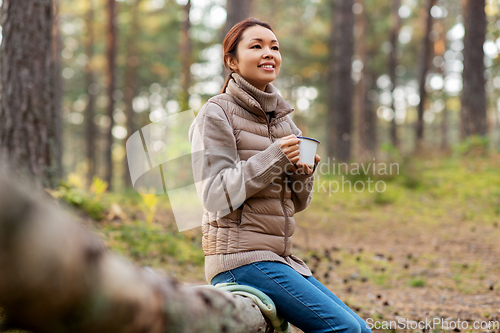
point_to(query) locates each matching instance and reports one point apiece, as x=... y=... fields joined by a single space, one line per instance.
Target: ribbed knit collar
x=267 y=99
x=255 y=100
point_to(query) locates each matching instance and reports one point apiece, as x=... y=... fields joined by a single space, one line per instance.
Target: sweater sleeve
x=222 y=180
x=302 y=185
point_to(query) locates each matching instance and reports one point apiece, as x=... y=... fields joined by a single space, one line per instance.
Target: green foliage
x=144 y=241
x=149 y=206
x=381 y=279
x=73 y=192
x=473 y=146
x=383 y=198
x=417 y=282
x=98 y=187
x=152 y=245
x=410 y=175
x=390 y=150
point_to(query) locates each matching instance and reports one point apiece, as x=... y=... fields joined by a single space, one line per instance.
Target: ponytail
x=229 y=77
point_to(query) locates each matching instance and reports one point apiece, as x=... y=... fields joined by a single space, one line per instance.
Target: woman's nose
x=267 y=52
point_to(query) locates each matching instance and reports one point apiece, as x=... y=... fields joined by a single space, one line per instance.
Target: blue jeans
x=301 y=300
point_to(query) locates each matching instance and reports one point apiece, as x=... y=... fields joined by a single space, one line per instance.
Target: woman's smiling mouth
x=267 y=67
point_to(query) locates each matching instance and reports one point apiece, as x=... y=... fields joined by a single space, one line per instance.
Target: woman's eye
x=274 y=47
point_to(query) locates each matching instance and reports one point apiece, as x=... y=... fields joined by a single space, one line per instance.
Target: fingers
x=307 y=169
x=289 y=140
x=303 y=169
x=291 y=153
x=290 y=146
x=294 y=158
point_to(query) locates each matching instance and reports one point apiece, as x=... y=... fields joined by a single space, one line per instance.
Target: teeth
x=267 y=66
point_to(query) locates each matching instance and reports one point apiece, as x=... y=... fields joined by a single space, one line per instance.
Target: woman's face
x=258 y=46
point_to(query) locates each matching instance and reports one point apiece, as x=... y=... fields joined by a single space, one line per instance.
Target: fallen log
x=57 y=276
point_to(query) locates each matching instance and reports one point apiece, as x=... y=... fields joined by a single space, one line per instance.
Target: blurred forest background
x=363 y=77
x=411 y=81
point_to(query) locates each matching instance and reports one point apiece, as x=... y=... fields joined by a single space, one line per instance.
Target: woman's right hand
x=290 y=146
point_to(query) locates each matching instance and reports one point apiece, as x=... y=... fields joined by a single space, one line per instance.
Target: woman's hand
x=290 y=146
x=304 y=168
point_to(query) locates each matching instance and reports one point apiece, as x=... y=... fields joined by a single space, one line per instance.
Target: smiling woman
x=254 y=55
x=245 y=152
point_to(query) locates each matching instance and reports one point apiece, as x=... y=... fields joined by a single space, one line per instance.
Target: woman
x=250 y=183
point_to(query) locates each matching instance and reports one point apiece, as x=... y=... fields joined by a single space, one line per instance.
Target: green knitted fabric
x=265 y=304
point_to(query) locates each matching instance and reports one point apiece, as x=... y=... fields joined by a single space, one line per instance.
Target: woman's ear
x=231 y=63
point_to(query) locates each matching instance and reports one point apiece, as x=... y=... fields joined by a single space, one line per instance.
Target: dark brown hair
x=233 y=38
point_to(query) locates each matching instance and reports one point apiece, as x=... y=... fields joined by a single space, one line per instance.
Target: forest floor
x=424 y=249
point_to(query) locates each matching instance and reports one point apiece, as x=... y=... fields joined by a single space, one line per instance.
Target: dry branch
x=56 y=276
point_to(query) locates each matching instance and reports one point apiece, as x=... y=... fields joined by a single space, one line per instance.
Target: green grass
x=417 y=282
x=152 y=245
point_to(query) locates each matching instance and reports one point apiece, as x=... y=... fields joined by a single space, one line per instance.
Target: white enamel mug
x=307 y=150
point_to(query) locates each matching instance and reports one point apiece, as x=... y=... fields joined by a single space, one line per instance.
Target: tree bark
x=331 y=130
x=392 y=63
x=368 y=128
x=473 y=111
x=58 y=91
x=341 y=82
x=90 y=87
x=131 y=83
x=425 y=57
x=55 y=276
x=237 y=11
x=27 y=128
x=366 y=118
x=445 y=145
x=111 y=81
x=185 y=54
x=439 y=49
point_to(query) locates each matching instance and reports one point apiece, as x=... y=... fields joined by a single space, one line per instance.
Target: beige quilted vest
x=265 y=220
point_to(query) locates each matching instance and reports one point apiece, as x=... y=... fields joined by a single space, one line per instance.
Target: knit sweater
x=215 y=264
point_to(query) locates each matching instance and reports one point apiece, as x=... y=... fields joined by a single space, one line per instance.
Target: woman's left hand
x=305 y=169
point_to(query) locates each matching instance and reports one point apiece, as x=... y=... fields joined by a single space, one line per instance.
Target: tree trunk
x=27 y=126
x=497 y=122
x=343 y=50
x=369 y=119
x=55 y=276
x=185 y=54
x=396 y=26
x=331 y=129
x=56 y=56
x=237 y=11
x=91 y=88
x=445 y=145
x=439 y=49
x=425 y=57
x=366 y=116
x=111 y=81
x=473 y=111
x=131 y=83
